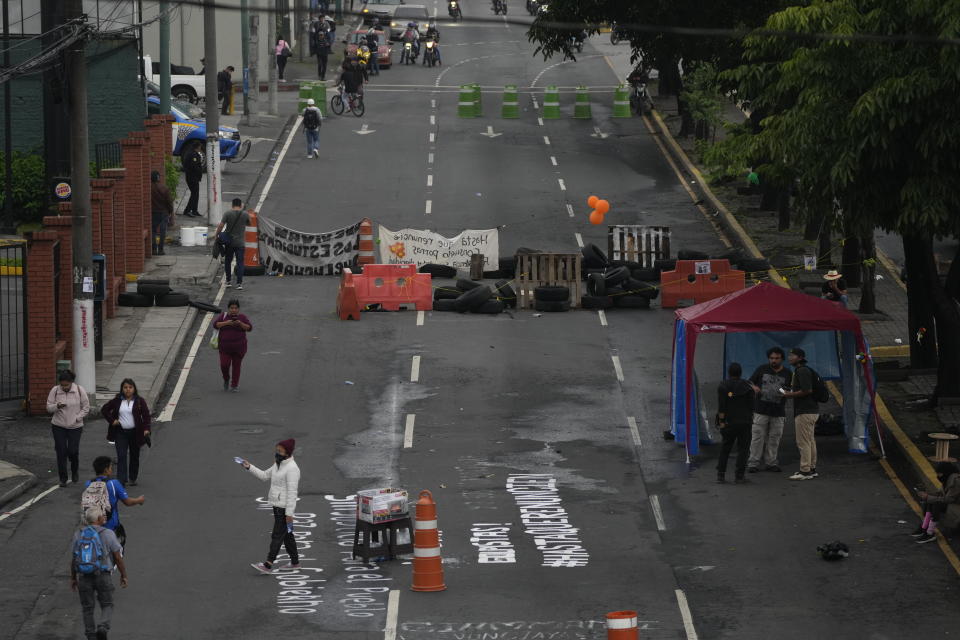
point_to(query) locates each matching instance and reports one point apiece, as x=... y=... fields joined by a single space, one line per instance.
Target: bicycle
x=354 y=103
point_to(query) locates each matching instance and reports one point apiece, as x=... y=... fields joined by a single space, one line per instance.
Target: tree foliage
x=29 y=186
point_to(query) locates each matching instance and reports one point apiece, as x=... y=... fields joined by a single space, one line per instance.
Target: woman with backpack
x=69 y=404
x=282 y=52
x=128 y=426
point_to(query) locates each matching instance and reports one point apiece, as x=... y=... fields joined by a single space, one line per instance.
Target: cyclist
x=351 y=81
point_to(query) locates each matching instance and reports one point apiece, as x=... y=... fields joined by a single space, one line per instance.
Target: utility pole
x=253 y=116
x=271 y=41
x=84 y=364
x=213 y=111
x=7 y=224
x=245 y=55
x=164 y=57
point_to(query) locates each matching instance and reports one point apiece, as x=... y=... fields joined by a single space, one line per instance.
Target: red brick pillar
x=136 y=223
x=105 y=187
x=155 y=134
x=168 y=120
x=96 y=219
x=42 y=345
x=62 y=225
x=119 y=267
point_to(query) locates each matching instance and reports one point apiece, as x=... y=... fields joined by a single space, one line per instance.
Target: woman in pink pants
x=233 y=327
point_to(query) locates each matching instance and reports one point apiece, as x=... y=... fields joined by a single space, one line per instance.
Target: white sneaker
x=262 y=568
x=802 y=475
x=228 y=285
x=239 y=287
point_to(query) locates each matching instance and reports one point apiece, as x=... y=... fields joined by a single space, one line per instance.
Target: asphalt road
x=499 y=403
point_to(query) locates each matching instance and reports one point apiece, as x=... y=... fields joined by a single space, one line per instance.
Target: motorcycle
x=532 y=6
x=617 y=34
x=453 y=8
x=576 y=41
x=500 y=7
x=430 y=53
x=407 y=56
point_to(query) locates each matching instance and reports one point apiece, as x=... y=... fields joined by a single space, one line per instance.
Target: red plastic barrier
x=389 y=285
x=685 y=283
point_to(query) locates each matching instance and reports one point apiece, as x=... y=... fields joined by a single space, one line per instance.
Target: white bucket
x=187 y=237
x=200 y=237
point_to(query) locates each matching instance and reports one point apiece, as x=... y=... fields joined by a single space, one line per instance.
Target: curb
x=921 y=466
x=19 y=489
x=271 y=158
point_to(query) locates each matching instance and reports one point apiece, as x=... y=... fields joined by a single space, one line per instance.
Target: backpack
x=820 y=392
x=97 y=495
x=89 y=555
x=311 y=118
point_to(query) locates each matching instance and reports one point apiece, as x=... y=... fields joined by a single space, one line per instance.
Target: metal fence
x=108 y=155
x=13 y=321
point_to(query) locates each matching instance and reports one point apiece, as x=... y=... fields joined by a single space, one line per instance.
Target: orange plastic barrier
x=251 y=256
x=366 y=243
x=698 y=280
x=389 y=285
x=622 y=625
x=427 y=563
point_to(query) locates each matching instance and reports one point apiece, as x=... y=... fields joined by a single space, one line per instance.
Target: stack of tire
x=474 y=297
x=153 y=292
x=551 y=298
x=622 y=284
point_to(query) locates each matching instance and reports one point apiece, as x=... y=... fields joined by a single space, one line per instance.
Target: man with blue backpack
x=95 y=552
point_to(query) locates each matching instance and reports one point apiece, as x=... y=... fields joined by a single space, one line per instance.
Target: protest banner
x=298 y=253
x=420 y=247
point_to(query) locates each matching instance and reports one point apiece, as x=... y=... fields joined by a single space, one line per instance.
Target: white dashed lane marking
x=603 y=317
x=657 y=513
x=429 y=179
x=617 y=368
x=408 y=431
x=546 y=140
x=415 y=367
x=579 y=240
x=429 y=207
x=420 y=316
x=553 y=160
x=570 y=210
x=563 y=187
x=634 y=431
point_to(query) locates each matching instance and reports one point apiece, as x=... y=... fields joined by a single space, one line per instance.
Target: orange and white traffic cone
x=622 y=625
x=365 y=256
x=427 y=563
x=251 y=242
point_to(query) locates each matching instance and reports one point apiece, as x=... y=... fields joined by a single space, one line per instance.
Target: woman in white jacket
x=284 y=478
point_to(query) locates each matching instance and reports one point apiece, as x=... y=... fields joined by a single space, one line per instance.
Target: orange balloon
x=596 y=217
x=602 y=206
x=592 y=201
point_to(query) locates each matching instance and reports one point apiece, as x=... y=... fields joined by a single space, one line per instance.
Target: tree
x=858 y=97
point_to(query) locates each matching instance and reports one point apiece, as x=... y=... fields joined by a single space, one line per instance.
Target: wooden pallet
x=638 y=243
x=547 y=269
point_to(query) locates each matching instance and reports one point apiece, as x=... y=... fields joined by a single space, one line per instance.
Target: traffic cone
x=551 y=103
x=427 y=563
x=348 y=305
x=251 y=242
x=581 y=109
x=511 y=108
x=365 y=255
x=622 y=625
x=465 y=104
x=621 y=102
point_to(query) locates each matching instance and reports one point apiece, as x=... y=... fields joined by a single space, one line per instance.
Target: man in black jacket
x=193 y=172
x=225 y=89
x=735 y=398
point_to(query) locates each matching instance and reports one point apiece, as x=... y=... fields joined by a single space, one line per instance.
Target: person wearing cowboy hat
x=834 y=289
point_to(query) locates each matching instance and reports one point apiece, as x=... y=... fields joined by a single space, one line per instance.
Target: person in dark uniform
x=193 y=172
x=735 y=398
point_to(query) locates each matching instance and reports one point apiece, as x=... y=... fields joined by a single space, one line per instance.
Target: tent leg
x=883 y=451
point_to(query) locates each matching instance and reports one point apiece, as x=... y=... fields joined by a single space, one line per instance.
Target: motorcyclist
x=412 y=36
x=453 y=8
x=431 y=45
x=363 y=57
x=432 y=32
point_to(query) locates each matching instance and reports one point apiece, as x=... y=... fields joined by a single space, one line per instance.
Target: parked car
x=359 y=37
x=188 y=87
x=404 y=14
x=379 y=8
x=189 y=129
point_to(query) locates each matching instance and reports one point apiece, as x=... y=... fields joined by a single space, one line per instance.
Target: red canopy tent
x=766 y=307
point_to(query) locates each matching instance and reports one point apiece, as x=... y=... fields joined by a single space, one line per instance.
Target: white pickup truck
x=189 y=87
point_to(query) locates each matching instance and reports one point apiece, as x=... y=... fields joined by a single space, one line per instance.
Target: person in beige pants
x=805 y=414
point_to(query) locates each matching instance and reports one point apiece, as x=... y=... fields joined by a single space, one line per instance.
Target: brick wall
x=43 y=349
x=62 y=225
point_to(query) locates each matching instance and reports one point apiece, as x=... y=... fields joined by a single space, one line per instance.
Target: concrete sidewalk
x=139 y=343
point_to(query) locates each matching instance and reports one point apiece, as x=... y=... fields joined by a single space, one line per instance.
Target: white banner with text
x=298 y=253
x=420 y=247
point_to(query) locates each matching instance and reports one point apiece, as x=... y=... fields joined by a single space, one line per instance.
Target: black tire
x=665 y=265
x=616 y=275
x=686 y=254
x=173 y=299
x=444 y=305
x=633 y=286
x=552 y=294
x=734 y=255
x=153 y=289
x=505 y=293
x=508 y=267
x=551 y=305
x=472 y=299
x=463 y=284
x=649 y=290
x=631 y=302
x=593 y=257
x=205 y=307
x=336 y=104
x=446 y=293
x=491 y=307
x=646 y=274
x=439 y=270
x=596 y=285
x=258 y=270
x=753 y=265
x=134 y=300
x=596 y=302
x=492 y=275
x=141 y=281
x=358 y=109
x=589 y=272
